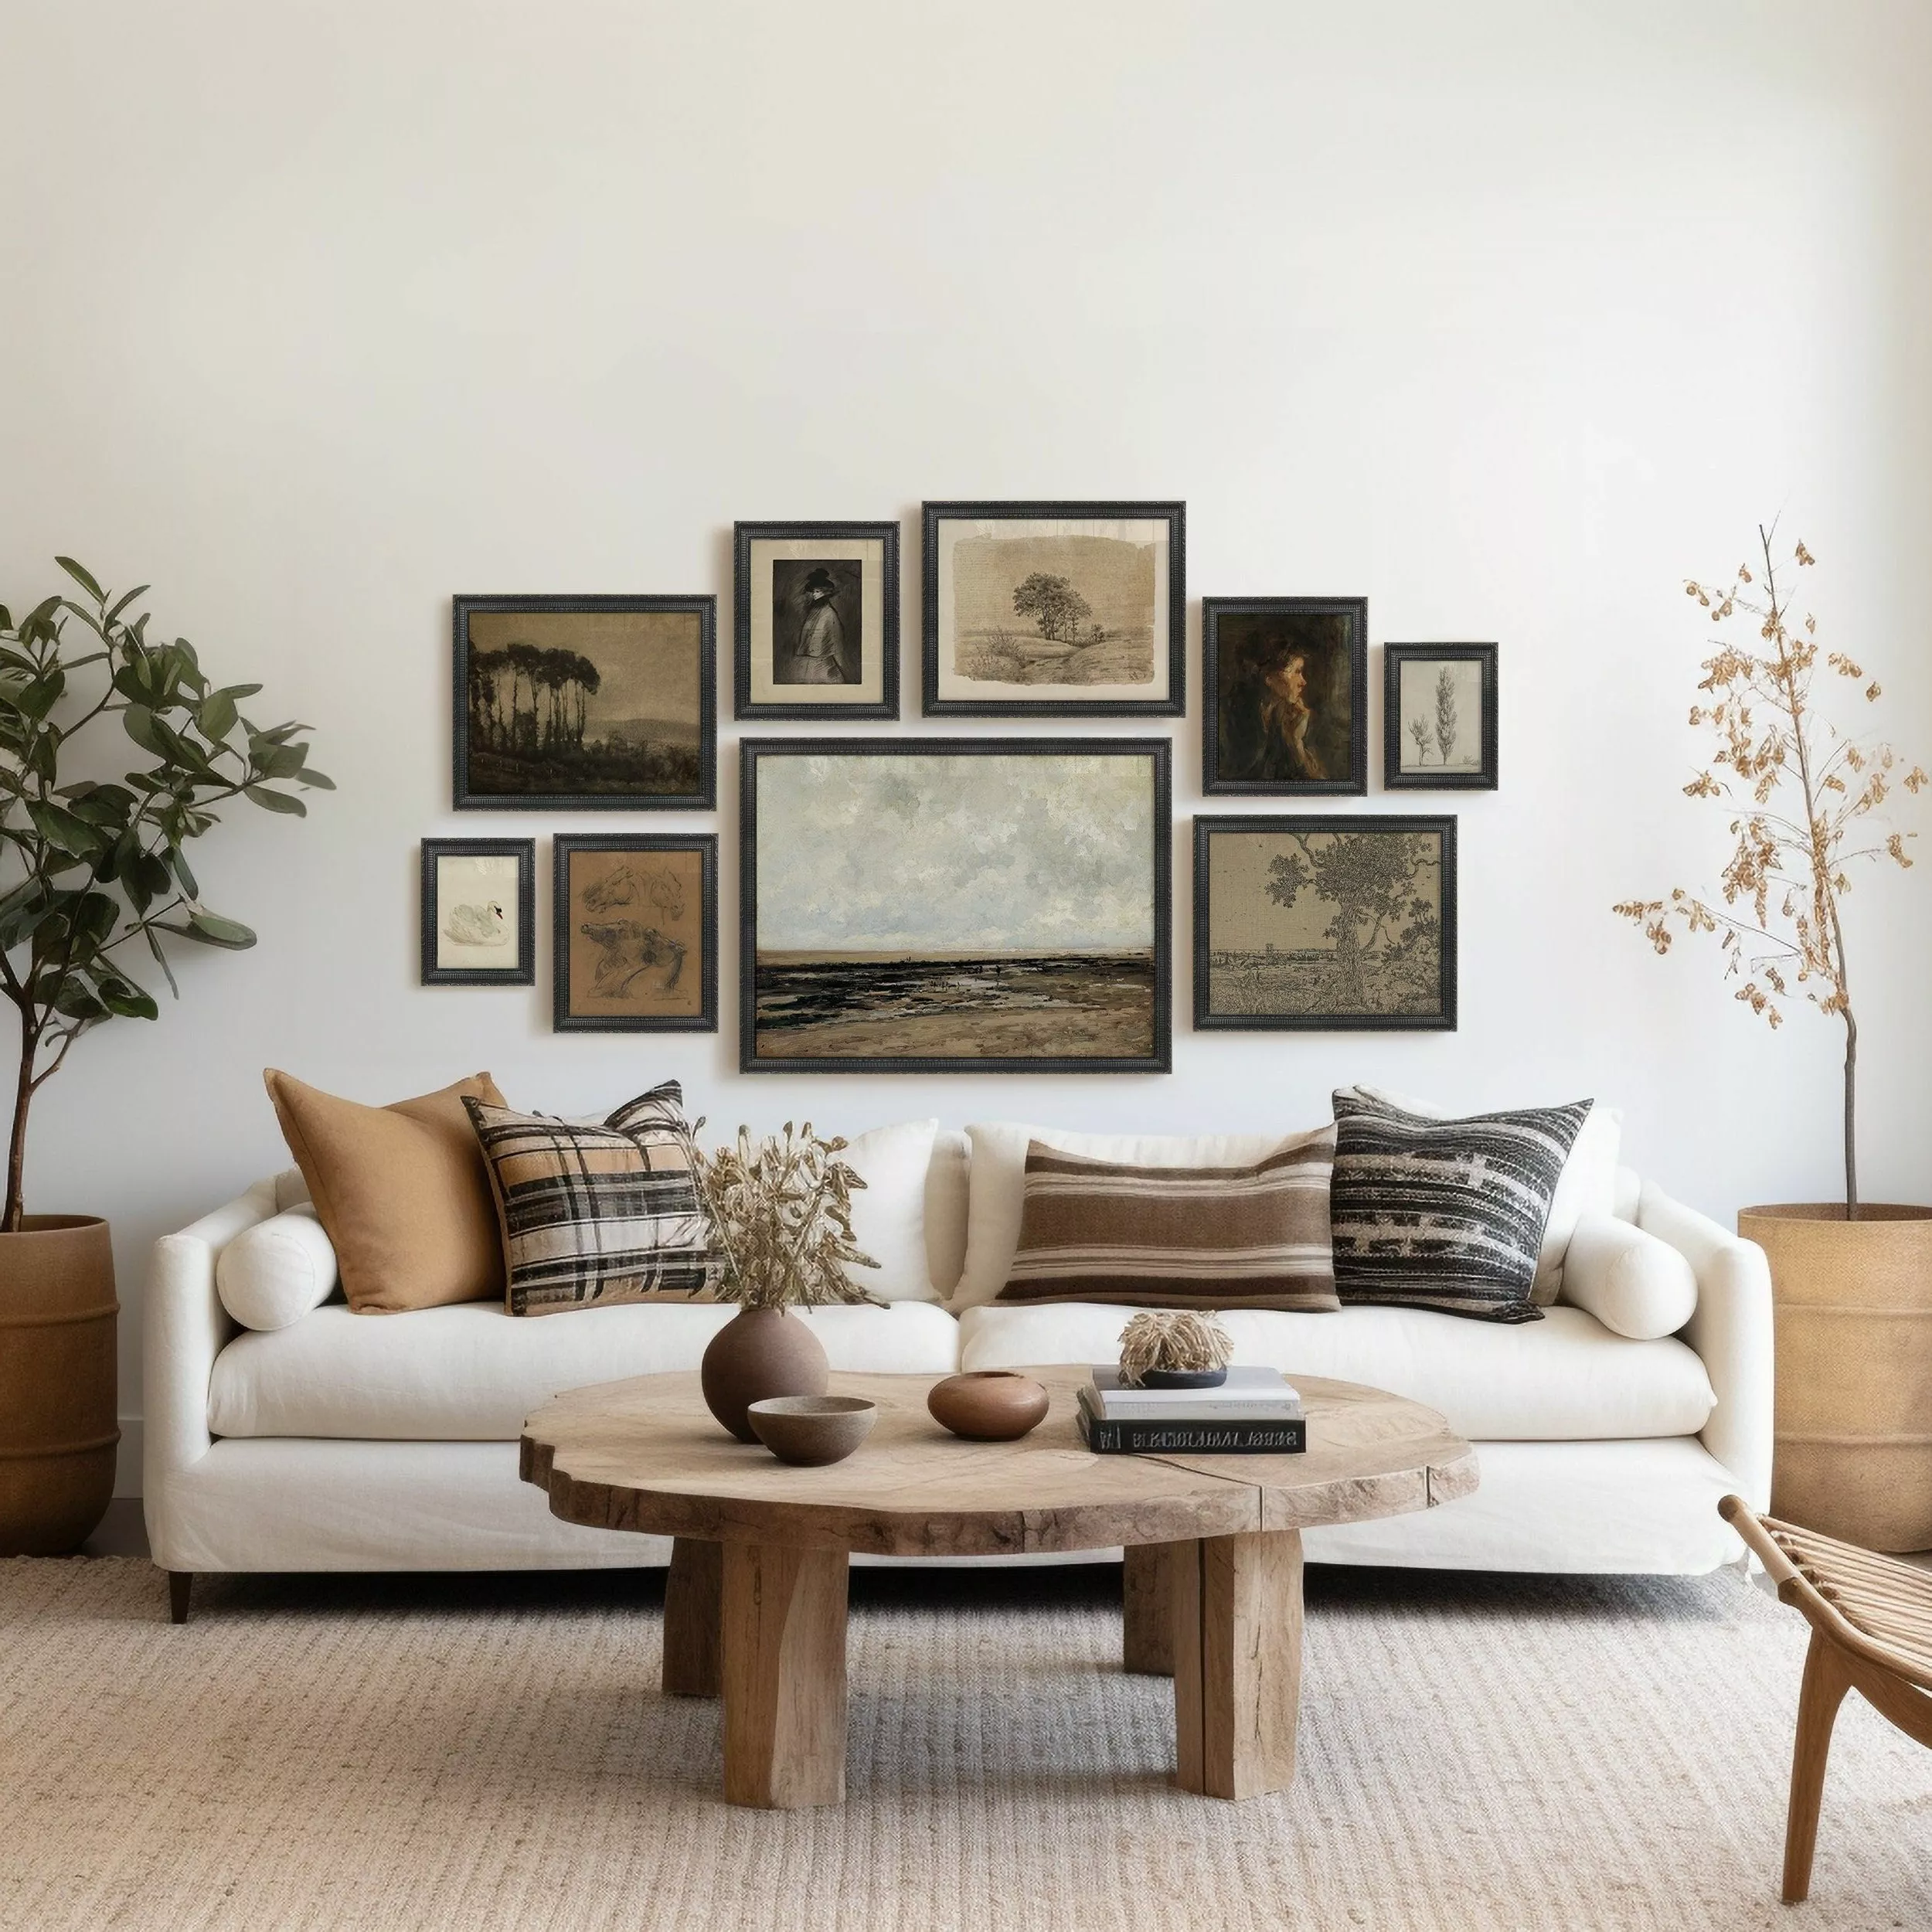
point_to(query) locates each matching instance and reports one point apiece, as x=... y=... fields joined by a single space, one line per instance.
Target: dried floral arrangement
x=781 y=1215
x=1781 y=922
x=1173 y=1342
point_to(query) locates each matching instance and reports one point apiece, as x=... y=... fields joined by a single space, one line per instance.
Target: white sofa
x=389 y=1442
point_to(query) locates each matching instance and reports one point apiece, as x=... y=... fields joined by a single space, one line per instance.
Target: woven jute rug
x=491 y=1752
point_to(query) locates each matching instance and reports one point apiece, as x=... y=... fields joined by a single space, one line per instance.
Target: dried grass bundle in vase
x=1171 y=1341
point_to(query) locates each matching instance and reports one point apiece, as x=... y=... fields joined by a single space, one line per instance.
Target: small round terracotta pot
x=759 y=1353
x=988 y=1405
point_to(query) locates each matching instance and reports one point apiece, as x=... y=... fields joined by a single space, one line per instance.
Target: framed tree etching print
x=954 y=906
x=635 y=932
x=1312 y=923
x=1054 y=609
x=1439 y=717
x=479 y=912
x=1284 y=690
x=601 y=703
x=815 y=620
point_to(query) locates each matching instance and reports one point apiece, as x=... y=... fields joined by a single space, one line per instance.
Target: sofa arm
x=1731 y=1331
x=184 y=1327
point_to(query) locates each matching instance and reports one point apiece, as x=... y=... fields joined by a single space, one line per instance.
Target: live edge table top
x=646 y=1455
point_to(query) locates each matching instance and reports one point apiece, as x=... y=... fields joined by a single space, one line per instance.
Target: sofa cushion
x=273 y=1274
x=473 y=1373
x=400 y=1191
x=889 y=1212
x=1630 y=1281
x=996 y=1202
x=1251 y=1236
x=1564 y=1378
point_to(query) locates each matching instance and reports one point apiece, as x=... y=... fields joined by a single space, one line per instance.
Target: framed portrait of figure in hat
x=816 y=622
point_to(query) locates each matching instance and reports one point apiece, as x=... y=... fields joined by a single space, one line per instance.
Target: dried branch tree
x=781 y=1209
x=1789 y=873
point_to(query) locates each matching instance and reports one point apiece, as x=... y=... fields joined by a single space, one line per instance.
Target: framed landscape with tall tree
x=1439 y=717
x=1310 y=924
x=1055 y=610
x=599 y=703
x=954 y=906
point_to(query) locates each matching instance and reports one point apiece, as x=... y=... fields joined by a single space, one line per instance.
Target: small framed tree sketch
x=1325 y=925
x=1054 y=609
x=479 y=912
x=634 y=920
x=1439 y=717
x=1284 y=696
x=815 y=620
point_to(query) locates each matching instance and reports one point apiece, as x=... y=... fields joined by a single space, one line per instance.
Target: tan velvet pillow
x=401 y=1191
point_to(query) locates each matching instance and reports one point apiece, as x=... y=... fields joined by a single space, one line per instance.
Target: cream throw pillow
x=400 y=1191
x=273 y=1274
x=1633 y=1284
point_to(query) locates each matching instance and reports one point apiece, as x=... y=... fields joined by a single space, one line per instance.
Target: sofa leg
x=180 y=1584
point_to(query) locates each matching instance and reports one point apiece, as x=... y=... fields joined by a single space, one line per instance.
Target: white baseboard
x=127 y=1458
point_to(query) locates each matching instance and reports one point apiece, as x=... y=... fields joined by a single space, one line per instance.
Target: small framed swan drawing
x=479 y=912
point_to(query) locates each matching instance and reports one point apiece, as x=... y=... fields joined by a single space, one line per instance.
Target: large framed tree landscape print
x=597 y=703
x=954 y=905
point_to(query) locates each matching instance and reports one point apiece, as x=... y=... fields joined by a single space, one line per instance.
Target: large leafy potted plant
x=92 y=870
x=1852 y=1280
x=781 y=1220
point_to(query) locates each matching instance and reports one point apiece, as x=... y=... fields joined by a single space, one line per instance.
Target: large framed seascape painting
x=815 y=620
x=635 y=932
x=1439 y=717
x=1055 y=610
x=1284 y=683
x=955 y=905
x=594 y=702
x=1314 y=923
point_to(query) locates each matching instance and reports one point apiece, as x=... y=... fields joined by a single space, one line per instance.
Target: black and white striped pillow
x=1444 y=1214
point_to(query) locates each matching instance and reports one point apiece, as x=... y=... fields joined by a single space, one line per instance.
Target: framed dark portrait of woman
x=816 y=621
x=1285 y=686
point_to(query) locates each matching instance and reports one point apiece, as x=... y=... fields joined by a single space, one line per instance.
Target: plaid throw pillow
x=592 y=1215
x=1432 y=1213
x=1178 y=1237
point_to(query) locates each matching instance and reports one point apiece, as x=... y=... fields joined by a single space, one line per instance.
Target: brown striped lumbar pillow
x=1175 y=1237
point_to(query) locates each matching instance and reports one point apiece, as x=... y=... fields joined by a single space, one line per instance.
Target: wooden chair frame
x=1871 y=1620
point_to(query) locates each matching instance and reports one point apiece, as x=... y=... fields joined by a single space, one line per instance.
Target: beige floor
x=1484 y=1753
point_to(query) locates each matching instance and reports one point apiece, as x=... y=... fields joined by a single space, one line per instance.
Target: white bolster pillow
x=1633 y=1284
x=273 y=1274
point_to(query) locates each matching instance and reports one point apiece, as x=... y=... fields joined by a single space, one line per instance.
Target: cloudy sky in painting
x=954 y=855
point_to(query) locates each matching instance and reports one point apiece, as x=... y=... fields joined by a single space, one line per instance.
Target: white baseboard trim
x=127 y=1458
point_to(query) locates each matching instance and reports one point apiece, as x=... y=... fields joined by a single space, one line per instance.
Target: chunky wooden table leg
x=693 y=1611
x=784 y=1675
x=1147 y=1607
x=1237 y=1663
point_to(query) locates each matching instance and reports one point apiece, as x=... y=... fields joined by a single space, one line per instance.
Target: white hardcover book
x=1248 y=1394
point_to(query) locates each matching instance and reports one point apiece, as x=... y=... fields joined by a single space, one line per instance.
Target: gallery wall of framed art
x=910 y=903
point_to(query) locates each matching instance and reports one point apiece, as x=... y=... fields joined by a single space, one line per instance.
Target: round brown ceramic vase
x=1851 y=1305
x=988 y=1405
x=57 y=1427
x=759 y=1353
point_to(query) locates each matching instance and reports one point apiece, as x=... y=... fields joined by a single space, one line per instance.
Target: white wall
x=1508 y=316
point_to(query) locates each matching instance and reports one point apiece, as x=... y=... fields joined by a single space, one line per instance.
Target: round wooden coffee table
x=755 y=1602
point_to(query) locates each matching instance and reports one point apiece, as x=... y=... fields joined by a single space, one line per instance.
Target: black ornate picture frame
x=916 y=905
x=1438 y=700
x=470 y=935
x=584 y=703
x=815 y=621
x=1284 y=696
x=1286 y=940
x=627 y=912
x=1083 y=605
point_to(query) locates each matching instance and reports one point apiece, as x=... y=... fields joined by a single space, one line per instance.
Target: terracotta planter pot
x=759 y=1353
x=1852 y=1305
x=57 y=1427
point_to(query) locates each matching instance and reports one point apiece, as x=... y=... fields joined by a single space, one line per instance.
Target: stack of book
x=1254 y=1412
